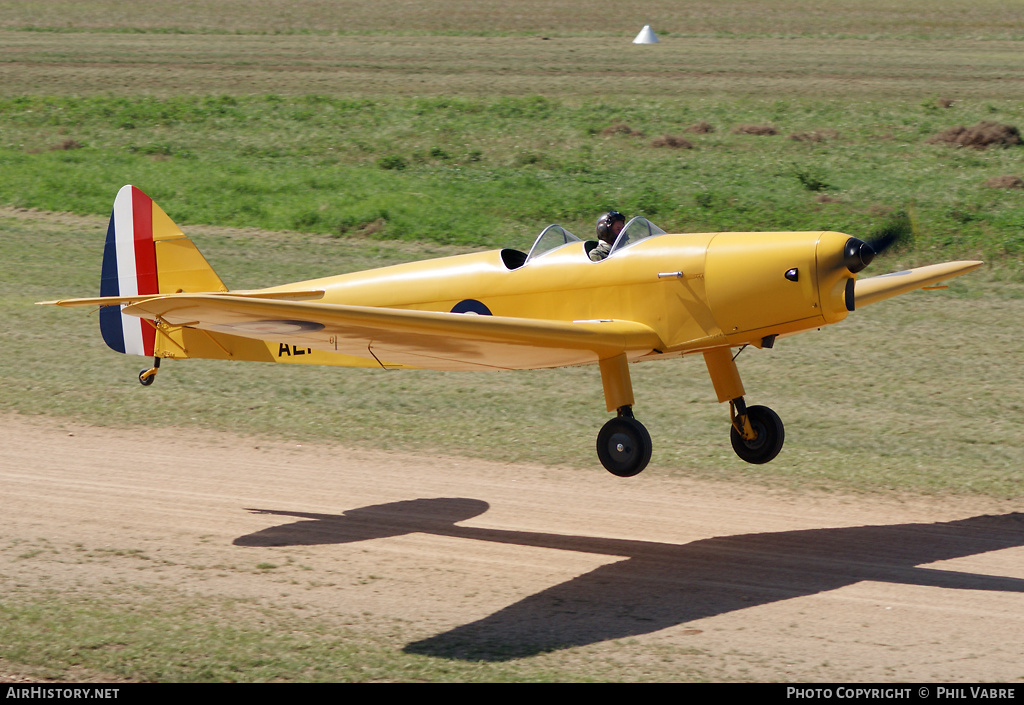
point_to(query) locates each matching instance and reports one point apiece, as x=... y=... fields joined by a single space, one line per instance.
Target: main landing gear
x=624 y=445
x=757 y=433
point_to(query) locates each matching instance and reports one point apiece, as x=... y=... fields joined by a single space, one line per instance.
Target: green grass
x=474 y=132
x=161 y=636
x=495 y=171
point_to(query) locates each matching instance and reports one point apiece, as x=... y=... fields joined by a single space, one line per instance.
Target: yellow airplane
x=655 y=296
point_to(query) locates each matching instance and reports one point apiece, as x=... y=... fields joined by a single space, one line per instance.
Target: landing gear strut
x=757 y=433
x=623 y=445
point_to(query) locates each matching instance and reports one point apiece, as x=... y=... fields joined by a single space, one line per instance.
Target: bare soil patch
x=1007 y=181
x=979 y=136
x=621 y=128
x=673 y=141
x=760 y=130
x=816 y=136
x=701 y=128
x=468 y=559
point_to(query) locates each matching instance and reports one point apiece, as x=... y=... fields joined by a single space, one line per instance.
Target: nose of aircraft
x=857 y=254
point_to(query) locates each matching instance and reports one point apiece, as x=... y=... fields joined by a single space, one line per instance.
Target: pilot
x=609 y=226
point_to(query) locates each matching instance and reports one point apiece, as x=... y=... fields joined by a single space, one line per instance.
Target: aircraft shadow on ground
x=659 y=585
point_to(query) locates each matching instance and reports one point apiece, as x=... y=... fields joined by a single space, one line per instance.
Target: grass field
x=774 y=18
x=335 y=136
x=460 y=135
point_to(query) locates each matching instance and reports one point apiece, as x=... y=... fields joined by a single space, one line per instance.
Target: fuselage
x=695 y=290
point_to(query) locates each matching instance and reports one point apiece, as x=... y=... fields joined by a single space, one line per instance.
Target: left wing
x=875 y=289
x=430 y=339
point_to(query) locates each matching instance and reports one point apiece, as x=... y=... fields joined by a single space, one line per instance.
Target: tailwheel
x=624 y=446
x=148 y=375
x=768 y=435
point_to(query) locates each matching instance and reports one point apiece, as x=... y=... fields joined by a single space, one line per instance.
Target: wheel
x=624 y=446
x=770 y=436
x=146 y=381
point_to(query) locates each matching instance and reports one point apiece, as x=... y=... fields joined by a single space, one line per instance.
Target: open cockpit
x=555 y=237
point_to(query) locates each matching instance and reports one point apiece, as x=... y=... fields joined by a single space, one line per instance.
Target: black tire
x=146 y=381
x=624 y=446
x=770 y=436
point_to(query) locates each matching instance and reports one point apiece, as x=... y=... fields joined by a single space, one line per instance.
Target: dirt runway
x=478 y=560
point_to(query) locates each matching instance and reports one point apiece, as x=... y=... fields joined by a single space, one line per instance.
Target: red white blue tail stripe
x=129 y=269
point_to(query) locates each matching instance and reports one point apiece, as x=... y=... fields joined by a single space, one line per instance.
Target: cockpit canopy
x=555 y=237
x=550 y=239
x=637 y=229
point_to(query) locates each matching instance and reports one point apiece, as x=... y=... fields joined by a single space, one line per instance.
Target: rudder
x=146 y=253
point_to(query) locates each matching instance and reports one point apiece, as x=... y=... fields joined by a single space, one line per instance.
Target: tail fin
x=146 y=253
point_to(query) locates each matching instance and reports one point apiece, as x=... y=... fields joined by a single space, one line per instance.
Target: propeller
x=858 y=254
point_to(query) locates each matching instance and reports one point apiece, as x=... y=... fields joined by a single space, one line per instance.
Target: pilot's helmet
x=606 y=222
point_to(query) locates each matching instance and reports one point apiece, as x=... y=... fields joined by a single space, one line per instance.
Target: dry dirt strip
x=492 y=561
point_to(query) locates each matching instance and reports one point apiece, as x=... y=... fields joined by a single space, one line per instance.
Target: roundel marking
x=471 y=306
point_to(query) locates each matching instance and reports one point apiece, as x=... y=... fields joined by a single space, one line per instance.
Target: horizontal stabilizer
x=875 y=289
x=119 y=300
